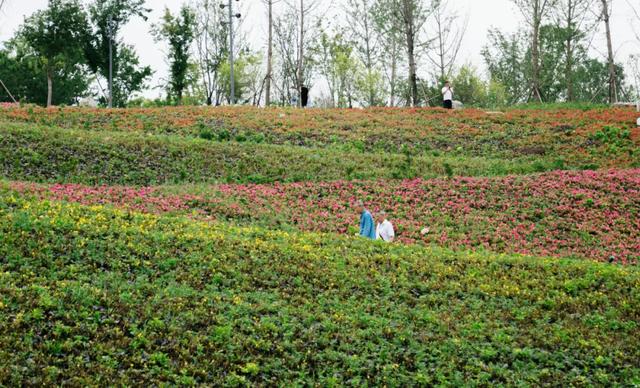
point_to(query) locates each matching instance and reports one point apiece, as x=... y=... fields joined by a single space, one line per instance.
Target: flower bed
x=98 y=296
x=586 y=214
x=566 y=136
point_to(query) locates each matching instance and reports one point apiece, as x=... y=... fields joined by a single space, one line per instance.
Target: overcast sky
x=482 y=14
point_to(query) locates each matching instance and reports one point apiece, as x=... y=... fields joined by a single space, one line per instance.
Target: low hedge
x=97 y=296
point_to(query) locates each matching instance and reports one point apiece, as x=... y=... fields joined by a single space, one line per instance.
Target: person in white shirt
x=447 y=96
x=384 y=230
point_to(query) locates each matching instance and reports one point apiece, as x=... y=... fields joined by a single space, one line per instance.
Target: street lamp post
x=232 y=86
x=233 y=83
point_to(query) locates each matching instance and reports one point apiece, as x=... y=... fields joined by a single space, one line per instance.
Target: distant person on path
x=384 y=230
x=447 y=96
x=367 y=225
x=305 y=96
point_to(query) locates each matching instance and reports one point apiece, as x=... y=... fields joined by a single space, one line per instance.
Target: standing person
x=305 y=96
x=367 y=225
x=384 y=230
x=447 y=96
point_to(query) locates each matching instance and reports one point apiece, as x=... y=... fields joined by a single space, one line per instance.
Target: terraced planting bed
x=215 y=246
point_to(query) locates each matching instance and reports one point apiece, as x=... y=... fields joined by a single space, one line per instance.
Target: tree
x=636 y=14
x=361 y=19
x=593 y=80
x=56 y=37
x=470 y=89
x=551 y=77
x=108 y=17
x=23 y=74
x=293 y=70
x=535 y=12
x=212 y=47
x=269 y=76
x=339 y=67
x=179 y=32
x=606 y=15
x=303 y=12
x=245 y=76
x=286 y=42
x=448 y=35
x=129 y=77
x=388 y=29
x=504 y=56
x=413 y=14
x=571 y=15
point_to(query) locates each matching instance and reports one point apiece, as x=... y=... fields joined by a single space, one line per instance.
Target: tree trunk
x=369 y=60
x=301 y=53
x=568 y=71
x=613 y=95
x=408 y=20
x=394 y=69
x=49 y=86
x=267 y=92
x=535 y=52
x=441 y=51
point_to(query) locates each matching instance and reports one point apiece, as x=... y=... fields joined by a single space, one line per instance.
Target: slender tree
x=108 y=17
x=360 y=17
x=412 y=14
x=606 y=19
x=636 y=14
x=178 y=31
x=388 y=29
x=504 y=56
x=571 y=16
x=22 y=72
x=294 y=35
x=448 y=34
x=212 y=47
x=535 y=13
x=269 y=76
x=57 y=35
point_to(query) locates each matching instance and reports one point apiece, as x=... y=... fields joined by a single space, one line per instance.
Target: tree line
x=383 y=53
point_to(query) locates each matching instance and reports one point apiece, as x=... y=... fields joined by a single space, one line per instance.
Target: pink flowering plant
x=586 y=214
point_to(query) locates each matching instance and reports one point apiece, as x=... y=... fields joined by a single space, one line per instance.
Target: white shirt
x=385 y=231
x=447 y=93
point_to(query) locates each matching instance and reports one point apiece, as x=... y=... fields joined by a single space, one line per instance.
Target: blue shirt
x=367 y=226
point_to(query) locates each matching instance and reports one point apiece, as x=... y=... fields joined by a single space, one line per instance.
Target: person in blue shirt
x=367 y=225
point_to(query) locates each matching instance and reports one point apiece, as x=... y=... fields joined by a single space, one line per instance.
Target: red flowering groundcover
x=588 y=214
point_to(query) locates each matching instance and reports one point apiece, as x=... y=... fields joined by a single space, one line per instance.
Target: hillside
x=92 y=295
x=216 y=246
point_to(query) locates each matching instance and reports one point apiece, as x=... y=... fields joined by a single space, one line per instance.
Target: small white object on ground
x=424 y=231
x=457 y=104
